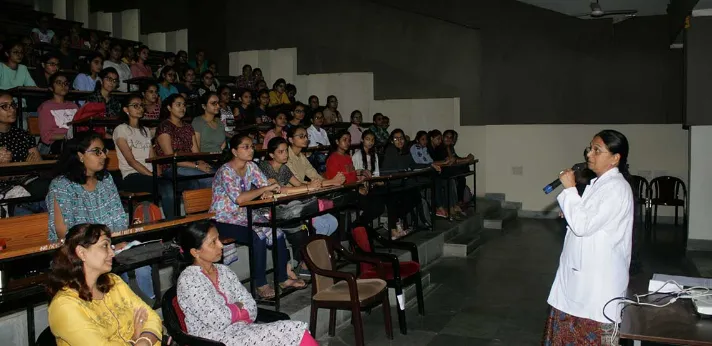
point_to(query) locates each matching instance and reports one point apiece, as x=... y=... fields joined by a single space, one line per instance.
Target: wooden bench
x=24 y=231
x=198 y=201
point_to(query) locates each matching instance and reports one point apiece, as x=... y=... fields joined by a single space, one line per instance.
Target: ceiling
x=578 y=7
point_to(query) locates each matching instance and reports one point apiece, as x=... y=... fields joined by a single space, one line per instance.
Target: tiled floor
x=497 y=296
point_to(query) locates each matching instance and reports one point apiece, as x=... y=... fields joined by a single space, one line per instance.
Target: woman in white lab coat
x=593 y=268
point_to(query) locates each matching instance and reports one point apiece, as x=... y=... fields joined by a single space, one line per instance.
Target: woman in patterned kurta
x=239 y=181
x=91 y=306
x=217 y=306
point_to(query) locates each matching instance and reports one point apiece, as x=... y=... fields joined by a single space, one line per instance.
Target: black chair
x=671 y=192
x=46 y=338
x=173 y=321
x=641 y=195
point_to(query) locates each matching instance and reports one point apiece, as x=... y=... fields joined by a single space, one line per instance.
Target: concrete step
x=462 y=245
x=512 y=205
x=499 y=219
x=495 y=196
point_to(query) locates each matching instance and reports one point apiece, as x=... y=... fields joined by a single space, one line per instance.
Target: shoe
x=304 y=272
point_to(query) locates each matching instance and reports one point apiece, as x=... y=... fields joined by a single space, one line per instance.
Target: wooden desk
x=677 y=323
x=22 y=168
x=14 y=252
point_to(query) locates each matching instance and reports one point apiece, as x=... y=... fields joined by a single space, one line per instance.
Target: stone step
x=495 y=196
x=462 y=245
x=512 y=205
x=500 y=219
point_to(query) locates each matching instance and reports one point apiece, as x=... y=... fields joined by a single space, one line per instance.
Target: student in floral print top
x=238 y=181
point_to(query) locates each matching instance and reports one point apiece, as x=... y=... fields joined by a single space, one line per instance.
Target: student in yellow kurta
x=278 y=95
x=91 y=306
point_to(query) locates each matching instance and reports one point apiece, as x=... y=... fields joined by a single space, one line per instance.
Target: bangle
x=139 y=340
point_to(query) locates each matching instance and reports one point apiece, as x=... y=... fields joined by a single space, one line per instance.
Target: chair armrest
x=267 y=316
x=395 y=244
x=195 y=340
x=134 y=195
x=361 y=257
x=389 y=258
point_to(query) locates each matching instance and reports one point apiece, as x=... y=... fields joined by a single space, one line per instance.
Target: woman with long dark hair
x=91 y=306
x=166 y=80
x=151 y=100
x=594 y=263
x=216 y=305
x=279 y=129
x=114 y=60
x=55 y=115
x=365 y=158
x=278 y=95
x=12 y=72
x=140 y=68
x=236 y=182
x=209 y=130
x=261 y=107
x=88 y=77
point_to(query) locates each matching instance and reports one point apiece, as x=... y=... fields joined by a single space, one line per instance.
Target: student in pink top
x=280 y=122
x=54 y=114
x=140 y=69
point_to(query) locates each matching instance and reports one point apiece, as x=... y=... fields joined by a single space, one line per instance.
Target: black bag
x=296 y=209
x=140 y=253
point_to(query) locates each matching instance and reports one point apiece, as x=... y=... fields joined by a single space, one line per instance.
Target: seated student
x=102 y=92
x=185 y=87
x=42 y=33
x=151 y=100
x=341 y=163
x=209 y=130
x=12 y=72
x=226 y=112
x=291 y=90
x=55 y=115
x=84 y=192
x=318 y=137
x=365 y=159
x=278 y=95
x=276 y=170
x=245 y=111
x=331 y=112
x=140 y=68
x=449 y=141
x=67 y=58
x=236 y=182
x=297 y=115
x=381 y=134
x=133 y=144
x=208 y=83
x=217 y=306
x=279 y=130
x=398 y=158
x=17 y=145
x=298 y=163
x=355 y=129
x=165 y=86
x=421 y=155
x=114 y=60
x=50 y=65
x=175 y=136
x=439 y=153
x=87 y=300
x=261 y=107
x=88 y=77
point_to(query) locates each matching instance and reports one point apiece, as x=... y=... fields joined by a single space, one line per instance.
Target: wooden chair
x=397 y=274
x=197 y=201
x=347 y=294
x=671 y=192
x=33 y=125
x=129 y=198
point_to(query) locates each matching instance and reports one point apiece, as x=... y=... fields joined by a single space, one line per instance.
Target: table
x=677 y=323
x=22 y=168
x=111 y=123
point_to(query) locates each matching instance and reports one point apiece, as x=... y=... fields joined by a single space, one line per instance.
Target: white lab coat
x=593 y=267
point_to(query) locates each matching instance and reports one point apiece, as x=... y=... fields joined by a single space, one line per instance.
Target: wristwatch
x=196 y=165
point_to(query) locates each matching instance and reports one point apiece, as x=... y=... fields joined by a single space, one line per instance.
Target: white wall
x=700 y=188
x=277 y=63
x=131 y=24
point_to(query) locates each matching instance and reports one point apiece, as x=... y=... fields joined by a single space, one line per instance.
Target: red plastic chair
x=396 y=274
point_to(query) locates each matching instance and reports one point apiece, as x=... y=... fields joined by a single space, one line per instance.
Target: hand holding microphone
x=567 y=178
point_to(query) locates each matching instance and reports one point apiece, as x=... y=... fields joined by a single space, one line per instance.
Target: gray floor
x=496 y=296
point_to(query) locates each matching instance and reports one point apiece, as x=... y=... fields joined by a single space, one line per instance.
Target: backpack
x=146 y=212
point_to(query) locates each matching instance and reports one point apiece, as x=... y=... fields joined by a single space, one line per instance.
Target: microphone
x=554 y=184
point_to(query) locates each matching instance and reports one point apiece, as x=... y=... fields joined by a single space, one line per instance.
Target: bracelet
x=139 y=339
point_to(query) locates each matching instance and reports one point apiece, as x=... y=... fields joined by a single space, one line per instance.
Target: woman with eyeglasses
x=239 y=181
x=50 y=66
x=89 y=305
x=165 y=86
x=55 y=115
x=109 y=79
x=595 y=259
x=185 y=87
x=261 y=109
x=278 y=95
x=140 y=68
x=89 y=76
x=297 y=115
x=12 y=72
x=208 y=83
x=115 y=53
x=151 y=100
x=209 y=130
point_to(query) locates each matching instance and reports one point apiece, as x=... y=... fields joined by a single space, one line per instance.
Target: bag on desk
x=295 y=209
x=140 y=253
x=8 y=192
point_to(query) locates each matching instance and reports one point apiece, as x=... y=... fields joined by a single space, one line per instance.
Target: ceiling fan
x=598 y=12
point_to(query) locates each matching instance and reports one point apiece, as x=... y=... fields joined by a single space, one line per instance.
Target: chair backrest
x=112 y=161
x=668 y=188
x=320 y=254
x=640 y=187
x=363 y=242
x=33 y=125
x=24 y=231
x=197 y=201
x=46 y=338
x=173 y=317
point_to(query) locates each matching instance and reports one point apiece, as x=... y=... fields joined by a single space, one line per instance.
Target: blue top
x=164 y=92
x=84 y=82
x=420 y=154
x=103 y=205
x=10 y=78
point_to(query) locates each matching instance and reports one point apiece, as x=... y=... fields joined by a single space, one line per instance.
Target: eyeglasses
x=319 y=117
x=111 y=80
x=6 y=106
x=596 y=150
x=61 y=83
x=399 y=138
x=51 y=64
x=136 y=105
x=281 y=86
x=299 y=111
x=98 y=151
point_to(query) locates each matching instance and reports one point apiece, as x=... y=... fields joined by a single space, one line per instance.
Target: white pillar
x=103 y=21
x=131 y=24
x=171 y=41
x=699 y=189
x=181 y=40
x=59 y=8
x=81 y=11
x=156 y=41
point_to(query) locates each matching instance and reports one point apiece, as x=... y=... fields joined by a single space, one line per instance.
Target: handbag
x=295 y=209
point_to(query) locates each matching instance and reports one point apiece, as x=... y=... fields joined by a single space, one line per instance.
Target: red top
x=341 y=163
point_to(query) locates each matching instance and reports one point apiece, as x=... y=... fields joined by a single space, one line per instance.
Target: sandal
x=298 y=284
x=265 y=292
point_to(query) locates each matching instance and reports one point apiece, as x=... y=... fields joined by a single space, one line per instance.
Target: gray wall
x=699 y=72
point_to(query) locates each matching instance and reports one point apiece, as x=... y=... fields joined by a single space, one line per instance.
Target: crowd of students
x=84 y=206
